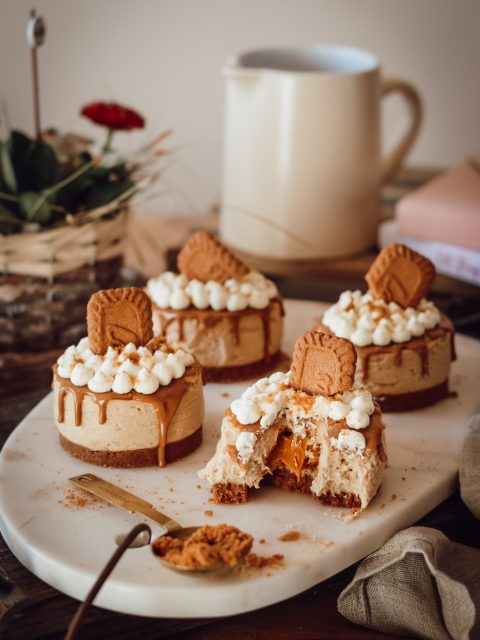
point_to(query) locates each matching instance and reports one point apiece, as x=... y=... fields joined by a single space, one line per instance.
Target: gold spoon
x=118 y=497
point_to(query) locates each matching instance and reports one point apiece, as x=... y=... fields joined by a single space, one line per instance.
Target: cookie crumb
x=253 y=562
x=208 y=513
x=207 y=548
x=74 y=499
x=290 y=536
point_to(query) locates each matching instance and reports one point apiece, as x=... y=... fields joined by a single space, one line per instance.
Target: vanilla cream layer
x=338 y=471
x=357 y=475
x=130 y=424
x=224 y=338
x=416 y=365
x=390 y=374
x=225 y=465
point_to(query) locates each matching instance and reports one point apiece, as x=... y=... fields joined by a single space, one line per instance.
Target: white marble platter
x=66 y=545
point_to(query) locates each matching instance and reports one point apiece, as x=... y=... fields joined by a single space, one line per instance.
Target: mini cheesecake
x=130 y=408
x=405 y=346
x=230 y=317
x=123 y=405
x=322 y=440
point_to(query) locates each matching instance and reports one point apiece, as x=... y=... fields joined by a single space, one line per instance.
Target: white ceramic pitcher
x=302 y=167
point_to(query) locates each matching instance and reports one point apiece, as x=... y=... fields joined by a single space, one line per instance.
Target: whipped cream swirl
x=271 y=397
x=122 y=369
x=364 y=320
x=349 y=441
x=176 y=291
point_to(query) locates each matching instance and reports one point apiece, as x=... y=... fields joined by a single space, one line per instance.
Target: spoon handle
x=123 y=499
x=76 y=621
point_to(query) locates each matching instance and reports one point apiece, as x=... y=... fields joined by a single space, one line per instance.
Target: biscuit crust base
x=284 y=479
x=230 y=493
x=136 y=457
x=276 y=361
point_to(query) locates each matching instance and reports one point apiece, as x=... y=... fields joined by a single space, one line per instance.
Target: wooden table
x=43 y=612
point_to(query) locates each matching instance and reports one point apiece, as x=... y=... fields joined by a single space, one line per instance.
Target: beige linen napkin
x=470 y=468
x=418 y=584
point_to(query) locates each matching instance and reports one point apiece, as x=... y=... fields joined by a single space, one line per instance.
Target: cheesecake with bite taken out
x=122 y=397
x=405 y=346
x=312 y=430
x=228 y=316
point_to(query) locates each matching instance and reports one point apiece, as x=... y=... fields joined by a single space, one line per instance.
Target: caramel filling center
x=291 y=451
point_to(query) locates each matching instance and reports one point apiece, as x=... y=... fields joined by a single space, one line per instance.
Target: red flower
x=113 y=116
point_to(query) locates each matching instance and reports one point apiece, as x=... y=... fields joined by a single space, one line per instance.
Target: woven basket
x=47 y=278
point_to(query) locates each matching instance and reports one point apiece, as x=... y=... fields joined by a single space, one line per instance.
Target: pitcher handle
x=393 y=160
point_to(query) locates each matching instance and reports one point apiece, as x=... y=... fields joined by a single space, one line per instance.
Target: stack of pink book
x=441 y=220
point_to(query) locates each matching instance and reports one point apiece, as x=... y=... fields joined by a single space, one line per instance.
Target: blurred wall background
x=164 y=58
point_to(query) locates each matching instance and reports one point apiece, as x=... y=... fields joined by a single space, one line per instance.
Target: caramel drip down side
x=165 y=401
x=252 y=427
x=165 y=411
x=265 y=314
x=372 y=433
x=76 y=404
x=266 y=317
x=453 y=352
x=419 y=345
x=291 y=450
x=235 y=329
x=165 y=322
x=209 y=318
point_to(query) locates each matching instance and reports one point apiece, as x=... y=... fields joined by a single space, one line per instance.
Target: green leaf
x=35 y=207
x=42 y=165
x=6 y=169
x=20 y=145
x=116 y=170
x=73 y=194
x=106 y=191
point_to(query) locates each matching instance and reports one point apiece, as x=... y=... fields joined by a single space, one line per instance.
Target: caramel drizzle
x=453 y=351
x=165 y=401
x=210 y=318
x=252 y=427
x=372 y=433
x=417 y=344
x=291 y=450
x=366 y=353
